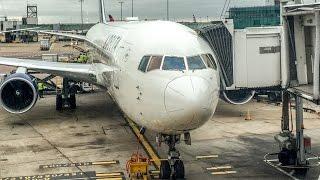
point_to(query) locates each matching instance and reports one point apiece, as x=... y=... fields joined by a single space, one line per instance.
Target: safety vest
x=83 y=59
x=41 y=86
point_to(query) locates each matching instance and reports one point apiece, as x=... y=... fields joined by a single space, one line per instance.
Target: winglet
x=102 y=12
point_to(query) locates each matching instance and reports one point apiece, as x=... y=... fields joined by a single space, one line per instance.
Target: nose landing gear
x=174 y=166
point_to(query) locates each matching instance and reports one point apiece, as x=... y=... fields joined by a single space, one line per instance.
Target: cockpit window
x=213 y=61
x=210 y=63
x=173 y=63
x=195 y=62
x=144 y=63
x=155 y=63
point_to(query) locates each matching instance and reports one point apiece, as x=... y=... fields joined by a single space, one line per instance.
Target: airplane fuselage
x=162 y=80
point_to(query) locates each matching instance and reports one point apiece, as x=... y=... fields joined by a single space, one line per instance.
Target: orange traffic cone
x=248 y=116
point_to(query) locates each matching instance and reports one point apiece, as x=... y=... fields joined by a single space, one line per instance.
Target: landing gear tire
x=302 y=171
x=72 y=101
x=179 y=169
x=287 y=157
x=165 y=170
x=173 y=167
x=59 y=102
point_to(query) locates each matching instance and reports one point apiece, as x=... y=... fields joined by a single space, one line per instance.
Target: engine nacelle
x=18 y=93
x=238 y=97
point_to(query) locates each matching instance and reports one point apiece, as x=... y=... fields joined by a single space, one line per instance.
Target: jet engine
x=18 y=93
x=238 y=97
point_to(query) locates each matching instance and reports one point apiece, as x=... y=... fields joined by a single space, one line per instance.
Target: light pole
x=121 y=3
x=132 y=8
x=81 y=2
x=167 y=10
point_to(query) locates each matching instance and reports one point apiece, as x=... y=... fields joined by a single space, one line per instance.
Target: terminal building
x=8 y=24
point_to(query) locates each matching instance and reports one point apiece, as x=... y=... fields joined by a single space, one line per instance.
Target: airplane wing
x=91 y=73
x=78 y=37
x=69 y=35
x=17 y=30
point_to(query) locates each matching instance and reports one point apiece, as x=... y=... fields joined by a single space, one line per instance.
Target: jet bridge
x=249 y=59
x=283 y=57
x=301 y=24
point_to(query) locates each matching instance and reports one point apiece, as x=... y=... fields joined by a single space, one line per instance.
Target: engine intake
x=238 y=97
x=18 y=93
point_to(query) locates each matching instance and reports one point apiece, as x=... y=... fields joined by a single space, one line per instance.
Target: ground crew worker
x=41 y=88
x=83 y=58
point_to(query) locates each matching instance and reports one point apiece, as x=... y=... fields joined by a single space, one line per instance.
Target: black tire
x=72 y=101
x=301 y=171
x=165 y=170
x=179 y=169
x=272 y=97
x=59 y=102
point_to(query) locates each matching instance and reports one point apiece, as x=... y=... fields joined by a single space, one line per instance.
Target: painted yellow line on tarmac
x=154 y=172
x=207 y=157
x=109 y=174
x=224 y=172
x=218 y=168
x=145 y=143
x=105 y=162
x=74 y=175
x=78 y=164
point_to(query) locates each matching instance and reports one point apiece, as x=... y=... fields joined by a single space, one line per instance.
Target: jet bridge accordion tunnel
x=249 y=59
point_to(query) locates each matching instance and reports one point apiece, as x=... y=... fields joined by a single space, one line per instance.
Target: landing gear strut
x=66 y=96
x=173 y=167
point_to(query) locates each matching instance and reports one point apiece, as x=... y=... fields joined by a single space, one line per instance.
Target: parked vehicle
x=45 y=44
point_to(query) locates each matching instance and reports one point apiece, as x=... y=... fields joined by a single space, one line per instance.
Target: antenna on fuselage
x=102 y=12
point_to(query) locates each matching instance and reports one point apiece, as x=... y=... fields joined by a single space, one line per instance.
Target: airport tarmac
x=32 y=50
x=96 y=132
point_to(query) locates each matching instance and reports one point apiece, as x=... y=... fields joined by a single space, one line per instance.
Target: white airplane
x=161 y=74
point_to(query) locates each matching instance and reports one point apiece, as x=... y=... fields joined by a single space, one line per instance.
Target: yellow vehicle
x=138 y=167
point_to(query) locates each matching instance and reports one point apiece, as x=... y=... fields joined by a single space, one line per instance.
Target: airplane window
x=155 y=63
x=195 y=62
x=144 y=63
x=213 y=61
x=211 y=64
x=173 y=63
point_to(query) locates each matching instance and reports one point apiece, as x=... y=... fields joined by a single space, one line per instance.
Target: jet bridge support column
x=292 y=146
x=316 y=58
x=285 y=112
x=301 y=154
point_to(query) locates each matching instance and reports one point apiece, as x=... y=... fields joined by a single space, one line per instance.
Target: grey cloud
x=67 y=11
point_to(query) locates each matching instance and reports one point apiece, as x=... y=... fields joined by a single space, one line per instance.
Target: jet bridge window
x=195 y=62
x=144 y=63
x=173 y=63
x=209 y=60
x=155 y=63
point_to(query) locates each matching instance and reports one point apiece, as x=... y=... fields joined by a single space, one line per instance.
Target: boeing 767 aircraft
x=161 y=74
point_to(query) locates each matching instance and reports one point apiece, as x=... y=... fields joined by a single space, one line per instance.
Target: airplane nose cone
x=189 y=101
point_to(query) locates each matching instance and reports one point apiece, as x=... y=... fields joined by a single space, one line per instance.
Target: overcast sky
x=68 y=11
